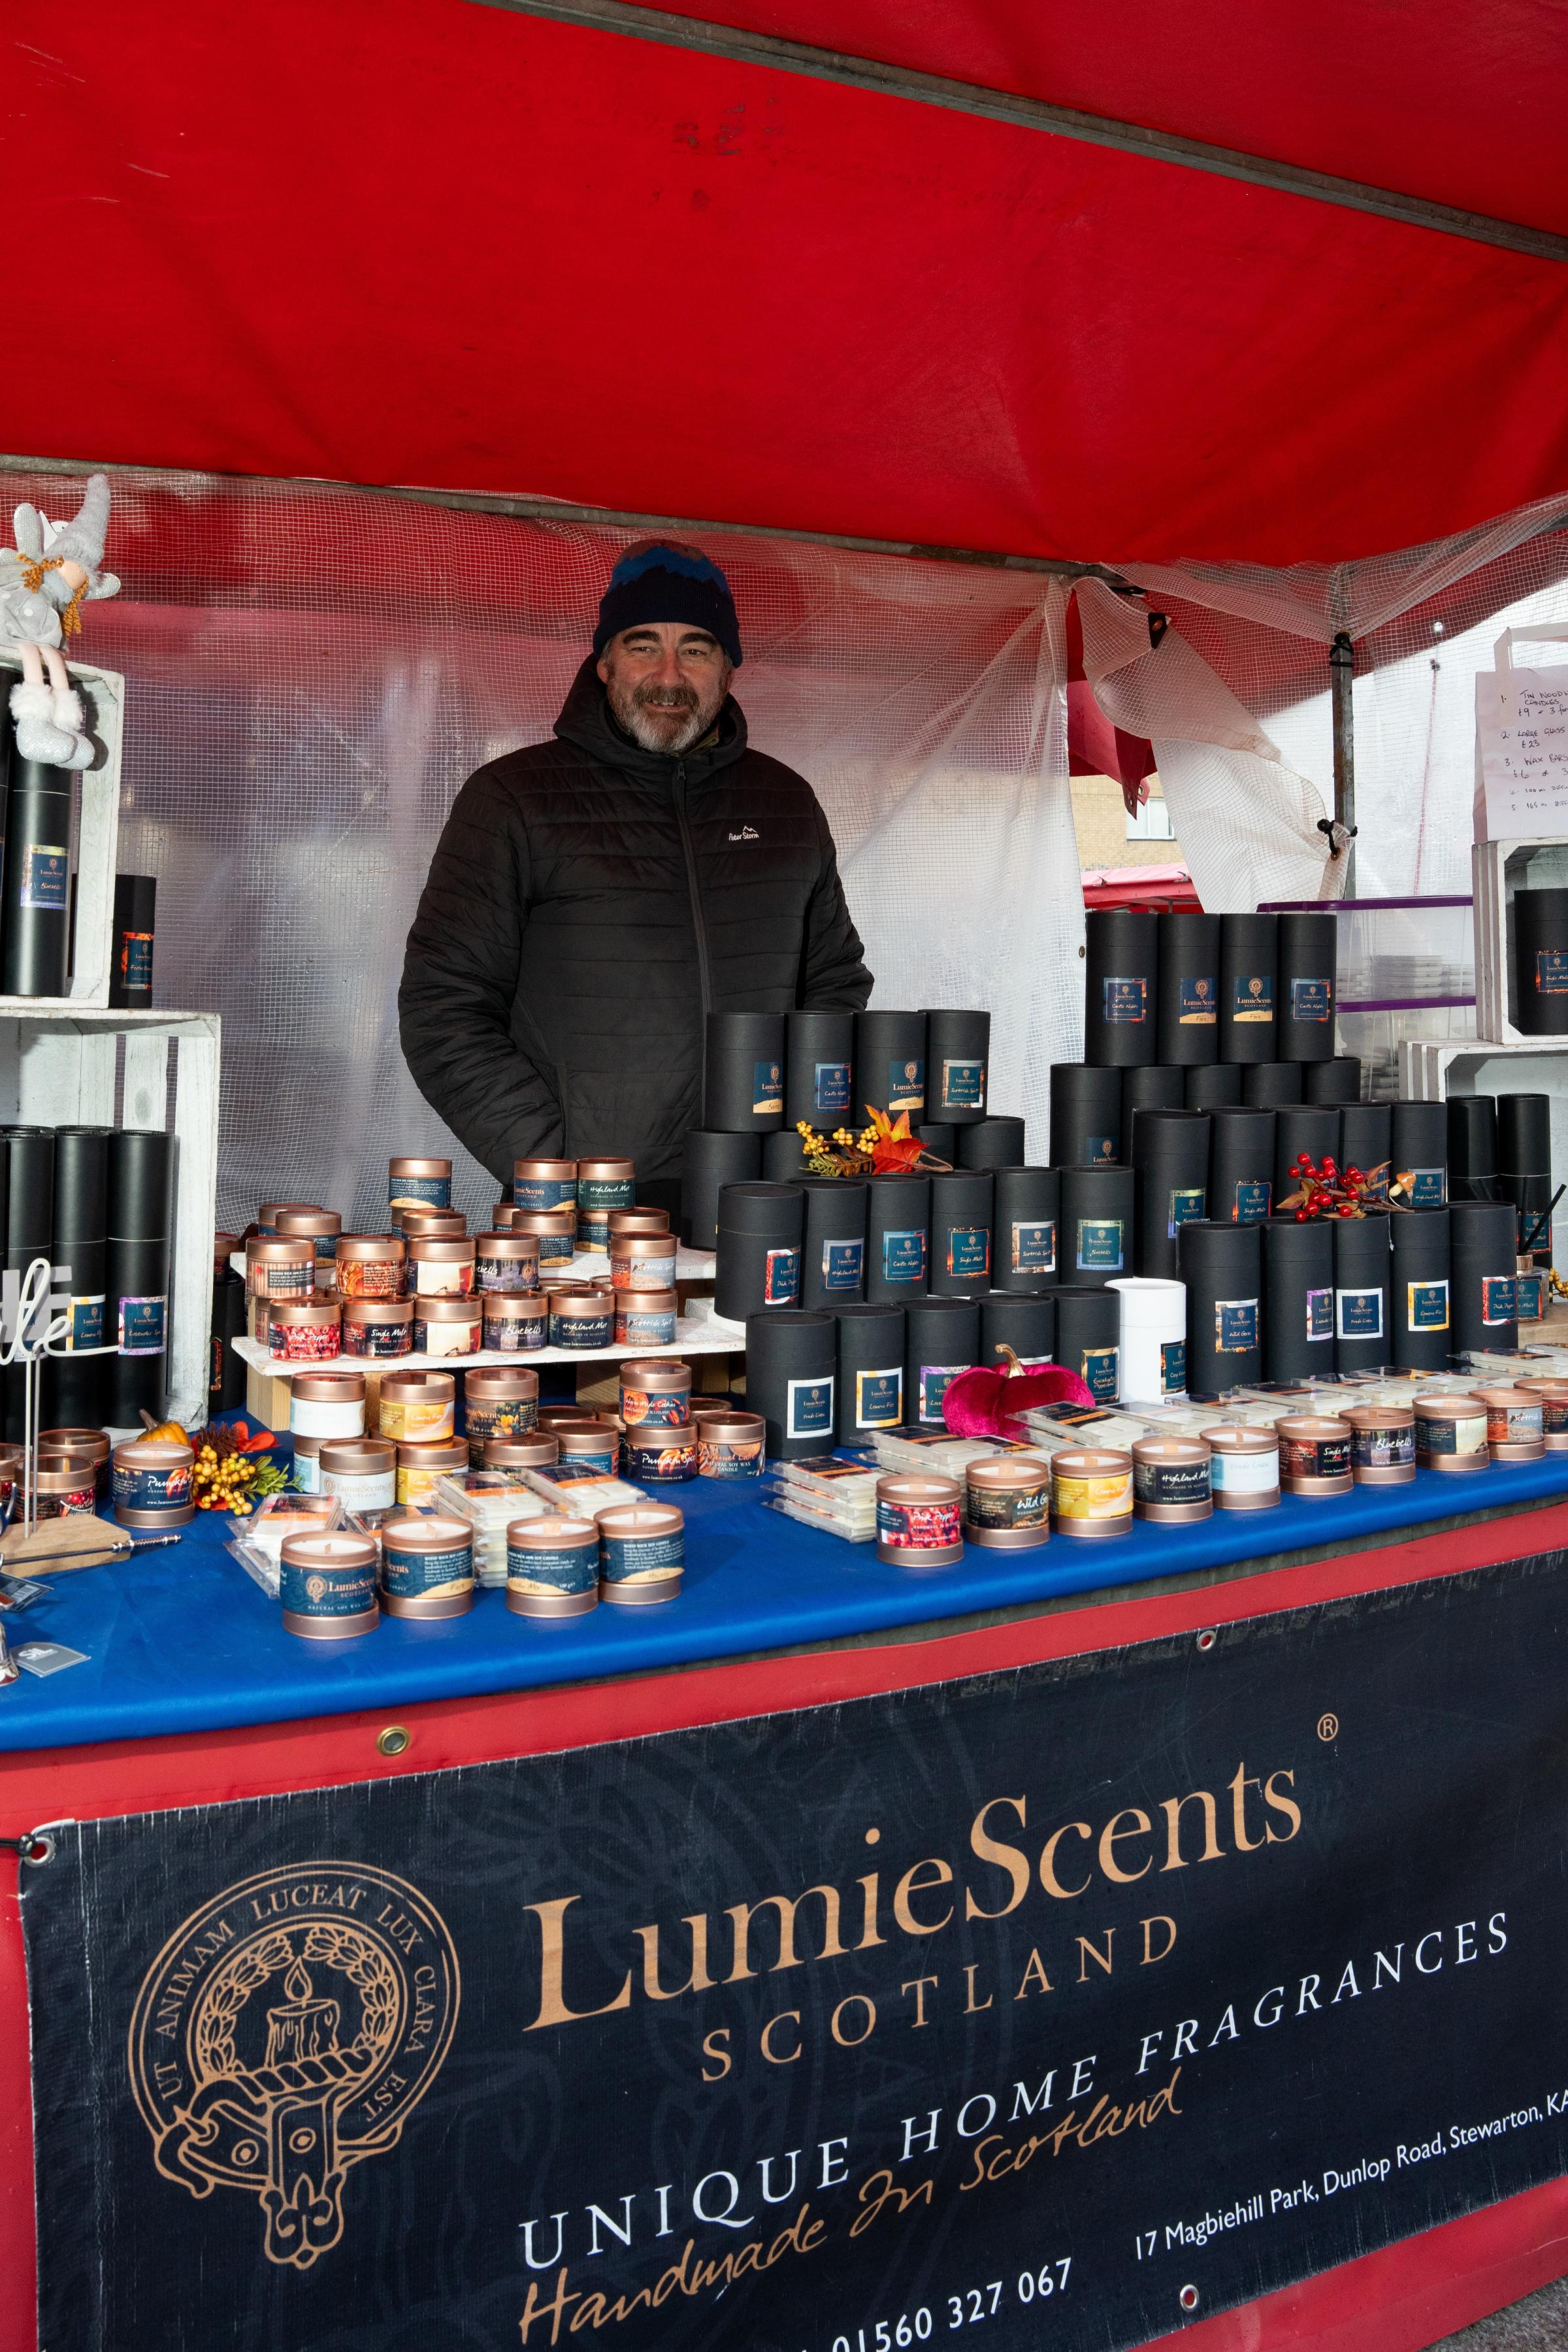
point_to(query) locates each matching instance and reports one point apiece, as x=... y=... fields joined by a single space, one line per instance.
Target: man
x=592 y=899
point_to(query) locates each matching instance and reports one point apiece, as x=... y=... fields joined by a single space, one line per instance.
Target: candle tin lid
x=1383 y=1443
x=532 y=1451
x=646 y=1298
x=93 y=1443
x=580 y=1439
x=380 y=1310
x=319 y=1311
x=589 y=1302
x=415 y=1166
x=431 y=1453
x=328 y=1388
x=358 y=1457
x=440 y=1249
x=1171 y=1479
x=430 y=1225
x=263 y=1250
x=381 y=1247
x=557 y=1222
x=66 y=1474
x=645 y=1247
x=506 y=1243
x=550 y=1416
x=607 y=1171
x=548 y=1171
x=1314 y=1453
x=498 y=1382
x=723 y=1425
x=501 y=1216
x=310 y=1448
x=1092 y=1491
x=418 y=1388
x=291 y=1223
x=445 y=1309
x=271 y=1210
x=514 y=1305
x=1515 y=1425
x=637 y=1221
x=655 y=1372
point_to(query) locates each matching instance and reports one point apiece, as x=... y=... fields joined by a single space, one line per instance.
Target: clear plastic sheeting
x=312 y=673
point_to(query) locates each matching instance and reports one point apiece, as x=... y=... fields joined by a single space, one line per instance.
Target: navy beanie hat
x=661 y=583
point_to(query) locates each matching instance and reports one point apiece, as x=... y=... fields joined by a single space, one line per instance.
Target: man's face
x=666 y=683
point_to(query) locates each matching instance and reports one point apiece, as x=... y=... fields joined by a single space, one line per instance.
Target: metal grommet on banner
x=33 y=1845
x=394 y=1739
x=1188 y=2298
x=1207 y=1639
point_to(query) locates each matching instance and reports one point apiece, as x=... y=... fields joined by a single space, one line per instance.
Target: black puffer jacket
x=587 y=903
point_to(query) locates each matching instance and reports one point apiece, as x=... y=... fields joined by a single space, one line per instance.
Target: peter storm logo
x=285 y=2032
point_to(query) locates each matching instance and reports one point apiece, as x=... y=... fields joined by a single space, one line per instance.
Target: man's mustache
x=665 y=698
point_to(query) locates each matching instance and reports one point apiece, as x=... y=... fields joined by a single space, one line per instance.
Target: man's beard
x=646 y=714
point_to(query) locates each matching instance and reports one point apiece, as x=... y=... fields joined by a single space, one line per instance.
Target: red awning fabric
x=437 y=243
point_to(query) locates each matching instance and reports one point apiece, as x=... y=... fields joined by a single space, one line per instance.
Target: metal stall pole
x=1342 y=669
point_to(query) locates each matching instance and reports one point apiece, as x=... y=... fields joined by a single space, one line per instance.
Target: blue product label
x=1312 y=999
x=1100 y=1372
x=565 y=1332
x=1125 y=1002
x=667 y=1457
x=1099 y=1150
x=969 y=1251
x=516 y=1276
x=555 y=1249
x=1319 y=1315
x=1428 y=1188
x=1529 y=1297
x=627 y=1560
x=830 y=1088
x=906 y=1086
x=136 y=958
x=767 y=1087
x=412 y=1575
x=1185 y=1207
x=904 y=1257
x=842 y=1266
x=430 y=1192
x=1173 y=1366
x=87 y=1322
x=934 y=1382
x=1251 y=1204
x=647 y=1330
x=545 y=1192
x=605 y=1192
x=150 y=1490
x=142 y=1323
x=1550 y=969
x=1099 y=1243
x=576 y=1572
x=1500 y=1299
x=1199 y=1002
x=317 y=1592
x=880 y=1399
x=964 y=1085
x=1035 y=1247
x=1427 y=1305
x=46 y=876
x=1252 y=997
x=1359 y=1313
x=781 y=1277
x=808 y=1412
x=509 y=1334
x=1235 y=1326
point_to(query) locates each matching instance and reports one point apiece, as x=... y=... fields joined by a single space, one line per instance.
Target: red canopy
x=438 y=243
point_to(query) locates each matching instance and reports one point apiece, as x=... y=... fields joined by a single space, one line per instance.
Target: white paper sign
x=1521 y=754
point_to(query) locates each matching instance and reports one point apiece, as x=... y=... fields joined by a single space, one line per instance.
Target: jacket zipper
x=699 y=927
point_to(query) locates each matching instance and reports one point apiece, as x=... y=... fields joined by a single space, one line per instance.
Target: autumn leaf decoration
x=986 y=1401
x=1325 y=1189
x=884 y=1146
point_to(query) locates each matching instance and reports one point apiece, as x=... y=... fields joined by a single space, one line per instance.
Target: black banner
x=1063 y=2005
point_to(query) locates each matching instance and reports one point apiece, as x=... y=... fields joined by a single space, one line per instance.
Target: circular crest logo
x=285 y=2032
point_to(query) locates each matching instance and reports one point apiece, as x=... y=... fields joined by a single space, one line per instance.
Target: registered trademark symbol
x=1327 y=1727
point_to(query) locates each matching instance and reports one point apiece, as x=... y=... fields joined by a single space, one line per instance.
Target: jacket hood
x=586 y=721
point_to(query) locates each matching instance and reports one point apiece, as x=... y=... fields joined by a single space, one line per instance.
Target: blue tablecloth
x=182 y=1640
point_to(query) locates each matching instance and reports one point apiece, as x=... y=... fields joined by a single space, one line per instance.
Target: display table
x=194 y=1698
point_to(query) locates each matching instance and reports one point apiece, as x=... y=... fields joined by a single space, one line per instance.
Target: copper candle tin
x=1554 y=1395
x=10 y=1471
x=377 y=1327
x=557 y=1231
x=417 y=1407
x=500 y=1217
x=642 y=1261
x=307 y=1463
x=642 y=1553
x=430 y=1225
x=320 y=1228
x=655 y=1390
x=729 y=1444
x=152 y=1483
x=552 y=1567
x=327 y=1404
x=645 y=1317
x=328 y=1586
x=420 y=1462
x=1451 y=1434
x=594 y=1442
x=506 y=1261
x=65 y=1484
x=1007 y=1503
x=538 y=1450
x=1383 y=1444
x=1244 y=1467
x=544 y=1184
x=500 y=1400
x=92 y=1443
x=369 y=1266
x=1171 y=1480
x=419 y=1182
x=1092 y=1492
x=549 y=1415
x=920 y=1521
x=279 y=1269
x=361 y=1472
x=304 y=1330
x=440 y=1266
x=585 y=1318
x=514 y=1322
x=602 y=1185
x=1314 y=1454
x=1515 y=1430
x=660 y=1452
x=267 y=1216
x=637 y=1221
x=426 y=1565
x=447 y=1326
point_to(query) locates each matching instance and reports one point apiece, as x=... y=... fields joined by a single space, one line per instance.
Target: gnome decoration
x=44 y=582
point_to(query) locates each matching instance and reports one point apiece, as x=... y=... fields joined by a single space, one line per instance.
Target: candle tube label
x=1500 y=1299
x=46 y=876
x=1107 y=1497
x=1514 y=1424
x=1171 y=1482
x=808 y=1410
x=425 y=1575
x=1173 y=1366
x=1359 y=1313
x=934 y=1381
x=665 y=1407
x=880 y=1398
x=1427 y=1188
x=600 y=1464
x=445 y=1338
x=582 y=1330
x=781 y=1277
x=919 y=1526
x=906 y=1087
x=1100 y=1371
x=1529 y=1295
x=370 y=1277
x=964 y=1085
x=142 y=1325
x=1550 y=969
x=1099 y=1243
x=1009 y=1506
x=544 y=1192
x=830 y=1088
x=513 y=1334
x=1245 y=1473
x=729 y=1458
x=767 y=1089
x=151 y=1490
x=1235 y=1326
x=416 y=1419
x=842 y=1266
x=303 y=1343
x=602 y=1193
x=1186 y=1206
x=1035 y=1247
x=1251 y=1203
x=904 y=1257
x=283 y=1281
x=641 y=1559
x=377 y=1339
x=326 y=1592
x=1427 y=1305
x=1125 y=1002
x=419 y=1193
x=1198 y=999
x=1312 y=999
x=969 y=1251
x=555 y=1249
x=441 y=1277
x=1319 y=1316
x=1389 y=1448
x=64 y=1506
x=1315 y=1457
x=86 y=1321
x=658 y=1273
x=510 y=1276
x=548 y=1570
x=1468 y=1435
x=660 y=1458
x=1099 y=1150
x=136 y=959
x=1252 y=997
x=637 y=1327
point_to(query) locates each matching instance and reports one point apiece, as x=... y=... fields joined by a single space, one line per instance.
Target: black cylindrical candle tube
x=992 y=1143
x=961 y=1209
x=898 y=1239
x=942 y=1338
x=136 y=1302
x=1419 y=1149
x=1241 y=1166
x=1473 y=1148
x=870 y=1371
x=758 y=1265
x=131 y=946
x=1010 y=1318
x=73 y=1383
x=938 y=1138
x=1086 y=1116
x=1362 y=1340
x=1222 y=1266
x=958 y=1056
x=1366 y=1140
x=890 y=1065
x=1089 y=1337
x=791 y=1366
x=1338 y=1081
x=29 y=1233
x=1298 y=1300
x=1540 y=922
x=1484 y=1264
x=708 y=1164
x=1306 y=994
x=1121 y=986
x=1265 y=1086
x=819 y=1072
x=1311 y=1127
x=833 y=1241
x=1171 y=1183
x=783 y=1158
x=34 y=933
x=227 y=1388
x=1248 y=962
x=1096 y=1224
x=1420 y=1314
x=1026 y=1211
x=1187 y=1029
x=1215 y=1086
x=1153 y=1087
x=742 y=1085
x=1524 y=1135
